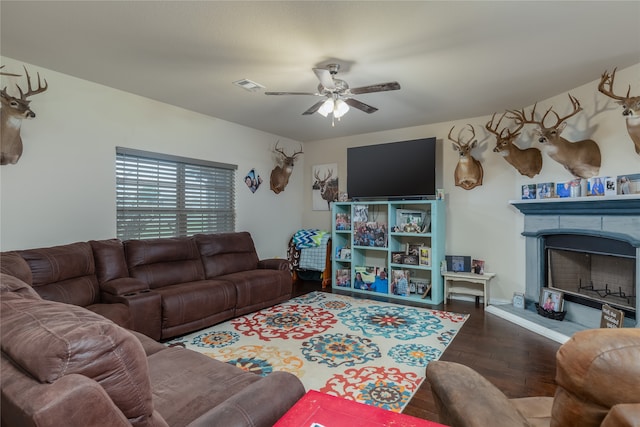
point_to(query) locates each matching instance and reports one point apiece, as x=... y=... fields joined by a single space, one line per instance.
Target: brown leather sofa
x=159 y=287
x=63 y=365
x=598 y=384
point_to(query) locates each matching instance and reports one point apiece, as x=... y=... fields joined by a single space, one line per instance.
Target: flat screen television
x=395 y=170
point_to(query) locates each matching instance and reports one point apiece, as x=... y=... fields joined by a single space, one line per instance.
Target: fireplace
x=592 y=270
x=588 y=248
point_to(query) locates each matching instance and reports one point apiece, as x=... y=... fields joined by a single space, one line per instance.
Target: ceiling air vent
x=249 y=85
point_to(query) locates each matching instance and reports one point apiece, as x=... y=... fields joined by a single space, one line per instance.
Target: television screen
x=405 y=169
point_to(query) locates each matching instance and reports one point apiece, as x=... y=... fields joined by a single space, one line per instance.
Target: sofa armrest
x=46 y=405
x=122 y=286
x=274 y=264
x=465 y=398
x=622 y=415
x=144 y=304
x=261 y=403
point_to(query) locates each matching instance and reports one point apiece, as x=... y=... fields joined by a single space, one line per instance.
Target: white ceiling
x=454 y=60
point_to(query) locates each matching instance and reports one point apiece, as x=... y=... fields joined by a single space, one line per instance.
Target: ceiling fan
x=337 y=94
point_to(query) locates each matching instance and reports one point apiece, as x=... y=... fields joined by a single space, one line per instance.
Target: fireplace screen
x=601 y=278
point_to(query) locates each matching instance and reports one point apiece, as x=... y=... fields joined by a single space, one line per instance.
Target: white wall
x=480 y=222
x=63 y=188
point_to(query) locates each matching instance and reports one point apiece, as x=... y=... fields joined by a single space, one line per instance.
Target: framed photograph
x=410 y=259
x=528 y=191
x=595 y=186
x=422 y=285
x=458 y=263
x=396 y=257
x=343 y=277
x=360 y=213
x=413 y=249
x=345 y=254
x=571 y=188
x=400 y=282
x=477 y=266
x=551 y=300
x=343 y=221
x=546 y=190
x=628 y=184
x=425 y=256
x=610 y=186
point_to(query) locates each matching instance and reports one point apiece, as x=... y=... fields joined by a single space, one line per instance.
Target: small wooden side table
x=474 y=284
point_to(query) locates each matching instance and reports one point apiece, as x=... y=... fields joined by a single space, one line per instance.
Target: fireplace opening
x=592 y=271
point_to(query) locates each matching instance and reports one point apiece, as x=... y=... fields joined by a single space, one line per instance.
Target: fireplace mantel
x=602 y=205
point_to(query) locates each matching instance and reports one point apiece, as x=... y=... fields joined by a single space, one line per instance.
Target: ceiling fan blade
x=381 y=87
x=293 y=93
x=361 y=105
x=315 y=107
x=325 y=78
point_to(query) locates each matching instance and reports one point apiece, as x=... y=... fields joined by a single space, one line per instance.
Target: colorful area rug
x=367 y=351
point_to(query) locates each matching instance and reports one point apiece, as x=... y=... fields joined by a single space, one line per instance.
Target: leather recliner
x=598 y=384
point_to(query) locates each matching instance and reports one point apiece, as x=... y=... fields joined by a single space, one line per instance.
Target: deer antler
x=607 y=79
x=7 y=74
x=457 y=141
x=489 y=126
x=576 y=109
x=30 y=90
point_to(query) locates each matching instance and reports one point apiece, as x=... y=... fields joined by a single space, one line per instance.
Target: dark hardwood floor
x=517 y=361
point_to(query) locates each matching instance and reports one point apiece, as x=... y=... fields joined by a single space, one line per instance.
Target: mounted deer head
x=528 y=161
x=11 y=115
x=328 y=186
x=281 y=173
x=581 y=158
x=630 y=106
x=469 y=172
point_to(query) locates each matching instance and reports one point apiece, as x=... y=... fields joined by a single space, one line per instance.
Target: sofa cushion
x=13 y=264
x=11 y=286
x=226 y=253
x=64 y=273
x=50 y=340
x=109 y=259
x=195 y=305
x=164 y=262
x=596 y=370
x=257 y=289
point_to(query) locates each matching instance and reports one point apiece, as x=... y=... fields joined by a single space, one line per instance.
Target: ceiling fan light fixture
x=340 y=108
x=326 y=108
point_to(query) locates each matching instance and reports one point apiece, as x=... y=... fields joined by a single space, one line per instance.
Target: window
x=160 y=195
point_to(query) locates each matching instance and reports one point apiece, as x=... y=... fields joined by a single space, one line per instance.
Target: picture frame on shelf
x=410 y=260
x=551 y=300
x=610 y=184
x=477 y=266
x=425 y=256
x=400 y=282
x=422 y=285
x=343 y=221
x=595 y=185
x=458 y=263
x=396 y=257
x=546 y=190
x=572 y=188
x=413 y=249
x=528 y=192
x=628 y=184
x=343 y=277
x=360 y=213
x=345 y=254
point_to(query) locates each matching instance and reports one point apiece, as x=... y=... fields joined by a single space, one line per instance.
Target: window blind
x=159 y=195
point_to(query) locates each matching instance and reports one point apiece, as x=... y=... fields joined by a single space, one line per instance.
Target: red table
x=317 y=409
